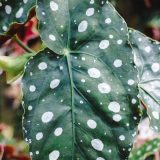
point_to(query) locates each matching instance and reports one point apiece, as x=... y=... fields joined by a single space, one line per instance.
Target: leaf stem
x=22 y=45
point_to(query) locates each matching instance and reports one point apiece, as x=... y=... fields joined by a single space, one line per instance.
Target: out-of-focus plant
x=10 y=149
x=146 y=150
x=13 y=66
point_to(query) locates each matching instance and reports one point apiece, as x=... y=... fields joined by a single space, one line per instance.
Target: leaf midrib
x=149 y=94
x=69 y=65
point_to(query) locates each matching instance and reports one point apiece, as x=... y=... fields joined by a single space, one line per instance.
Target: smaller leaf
x=13 y=67
x=13 y=15
x=147 y=60
x=145 y=150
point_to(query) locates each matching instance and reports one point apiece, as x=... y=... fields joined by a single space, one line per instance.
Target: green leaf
x=145 y=150
x=14 y=67
x=14 y=13
x=147 y=60
x=80 y=96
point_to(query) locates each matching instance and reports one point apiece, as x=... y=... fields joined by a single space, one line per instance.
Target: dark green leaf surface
x=80 y=96
x=147 y=59
x=145 y=150
x=14 y=12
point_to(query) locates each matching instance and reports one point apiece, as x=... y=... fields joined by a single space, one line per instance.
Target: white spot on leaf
x=83 y=80
x=117 y=63
x=19 y=13
x=155 y=67
x=8 y=9
x=111 y=36
x=104 y=88
x=55 y=83
x=25 y=1
x=39 y=136
x=32 y=88
x=30 y=108
x=117 y=117
x=92 y=2
x=83 y=26
x=104 y=44
x=42 y=66
x=134 y=101
x=148 y=49
x=90 y=12
x=114 y=107
x=47 y=117
x=108 y=20
x=58 y=131
x=119 y=41
x=83 y=58
x=91 y=124
x=4 y=28
x=54 y=155
x=100 y=158
x=97 y=144
x=131 y=82
x=122 y=137
x=155 y=114
x=139 y=39
x=52 y=37
x=94 y=73
x=53 y=6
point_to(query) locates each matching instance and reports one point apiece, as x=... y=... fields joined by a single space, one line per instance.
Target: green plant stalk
x=20 y=43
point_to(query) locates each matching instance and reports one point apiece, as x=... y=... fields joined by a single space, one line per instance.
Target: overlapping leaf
x=13 y=13
x=147 y=59
x=13 y=66
x=146 y=150
x=80 y=93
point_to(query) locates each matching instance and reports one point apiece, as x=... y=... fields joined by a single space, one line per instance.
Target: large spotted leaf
x=147 y=59
x=13 y=13
x=80 y=93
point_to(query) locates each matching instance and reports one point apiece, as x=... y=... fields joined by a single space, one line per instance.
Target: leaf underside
x=147 y=59
x=13 y=14
x=80 y=93
x=146 y=150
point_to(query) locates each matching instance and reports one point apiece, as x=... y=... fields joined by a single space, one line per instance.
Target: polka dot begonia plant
x=81 y=93
x=145 y=150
